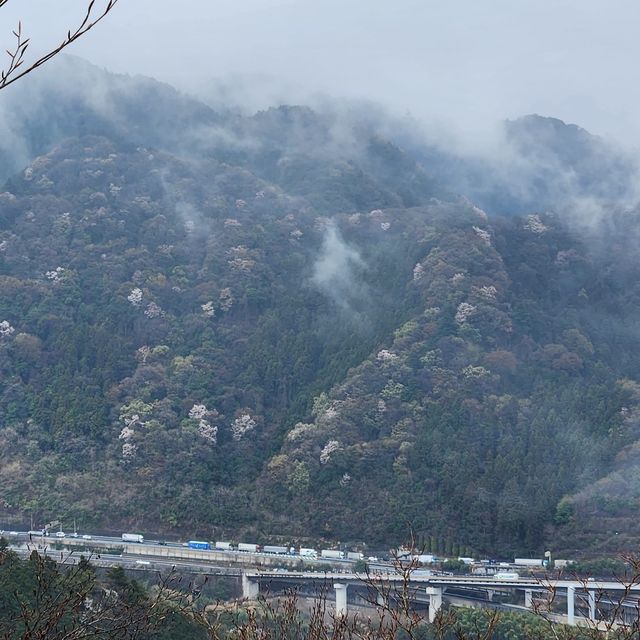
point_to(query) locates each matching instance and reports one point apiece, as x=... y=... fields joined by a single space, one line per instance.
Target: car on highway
x=86 y=536
x=60 y=534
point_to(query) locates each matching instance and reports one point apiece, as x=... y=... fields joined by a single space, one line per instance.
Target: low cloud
x=337 y=270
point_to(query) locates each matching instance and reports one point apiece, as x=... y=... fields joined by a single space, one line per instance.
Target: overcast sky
x=466 y=61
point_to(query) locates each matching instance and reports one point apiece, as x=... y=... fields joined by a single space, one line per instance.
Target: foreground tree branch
x=18 y=67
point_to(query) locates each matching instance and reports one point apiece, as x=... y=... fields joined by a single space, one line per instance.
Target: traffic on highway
x=252 y=551
x=303 y=553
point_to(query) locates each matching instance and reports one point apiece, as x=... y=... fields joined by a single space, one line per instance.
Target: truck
x=132 y=537
x=271 y=548
x=355 y=555
x=307 y=553
x=425 y=558
x=332 y=554
x=197 y=544
x=248 y=548
x=529 y=562
x=466 y=560
x=223 y=546
x=506 y=575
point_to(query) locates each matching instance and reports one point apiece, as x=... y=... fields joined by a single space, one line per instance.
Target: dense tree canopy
x=295 y=338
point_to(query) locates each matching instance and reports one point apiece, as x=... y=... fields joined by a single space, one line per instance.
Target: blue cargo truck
x=196 y=544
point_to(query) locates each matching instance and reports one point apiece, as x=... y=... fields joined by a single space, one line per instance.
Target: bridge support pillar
x=592 y=605
x=380 y=599
x=435 y=602
x=528 y=598
x=250 y=589
x=571 y=604
x=341 y=598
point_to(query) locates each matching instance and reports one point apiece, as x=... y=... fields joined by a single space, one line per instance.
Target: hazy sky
x=469 y=61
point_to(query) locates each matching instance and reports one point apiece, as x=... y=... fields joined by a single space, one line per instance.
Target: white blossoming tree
x=6 y=329
x=535 y=224
x=143 y=353
x=472 y=372
x=226 y=299
x=56 y=275
x=345 y=480
x=300 y=431
x=483 y=234
x=135 y=297
x=153 y=311
x=241 y=426
x=198 y=411
x=464 y=312
x=331 y=447
x=418 y=272
x=488 y=292
x=385 y=355
x=126 y=433
x=129 y=450
x=204 y=418
x=208 y=431
x=208 y=309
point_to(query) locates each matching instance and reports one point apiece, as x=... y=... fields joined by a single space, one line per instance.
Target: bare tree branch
x=17 y=68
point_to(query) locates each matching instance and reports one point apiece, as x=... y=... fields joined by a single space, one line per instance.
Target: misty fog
x=461 y=65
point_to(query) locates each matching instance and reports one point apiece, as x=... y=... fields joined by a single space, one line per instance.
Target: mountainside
x=537 y=164
x=284 y=326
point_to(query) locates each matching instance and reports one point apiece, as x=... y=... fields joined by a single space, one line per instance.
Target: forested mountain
x=284 y=326
x=534 y=164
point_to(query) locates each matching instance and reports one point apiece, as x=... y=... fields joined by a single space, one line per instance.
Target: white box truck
x=132 y=537
x=332 y=554
x=506 y=575
x=425 y=558
x=307 y=553
x=223 y=546
x=529 y=562
x=355 y=555
x=248 y=548
x=272 y=548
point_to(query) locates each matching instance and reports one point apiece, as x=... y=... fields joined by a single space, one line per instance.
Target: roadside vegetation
x=44 y=600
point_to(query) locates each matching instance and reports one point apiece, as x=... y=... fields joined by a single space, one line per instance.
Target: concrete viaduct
x=430 y=590
x=435 y=588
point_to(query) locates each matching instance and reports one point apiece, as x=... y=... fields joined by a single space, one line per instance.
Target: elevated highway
x=435 y=587
x=257 y=572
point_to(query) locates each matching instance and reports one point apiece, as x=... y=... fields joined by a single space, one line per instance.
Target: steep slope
x=532 y=164
x=283 y=326
x=476 y=418
x=155 y=311
x=332 y=162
